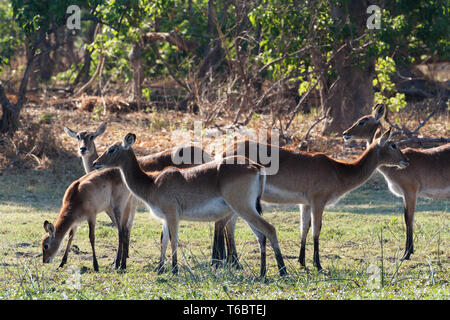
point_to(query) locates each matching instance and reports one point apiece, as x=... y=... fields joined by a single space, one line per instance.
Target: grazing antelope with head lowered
x=428 y=174
x=207 y=192
x=315 y=180
x=83 y=200
x=121 y=204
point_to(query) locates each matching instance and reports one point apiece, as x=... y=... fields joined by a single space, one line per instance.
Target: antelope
x=428 y=174
x=315 y=180
x=207 y=192
x=86 y=145
x=120 y=203
x=83 y=200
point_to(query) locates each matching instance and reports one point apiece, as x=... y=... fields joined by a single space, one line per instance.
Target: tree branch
x=4 y=101
x=172 y=74
x=94 y=76
x=422 y=140
x=173 y=38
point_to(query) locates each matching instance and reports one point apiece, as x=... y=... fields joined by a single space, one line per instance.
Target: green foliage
x=11 y=36
x=278 y=21
x=387 y=95
x=146 y=93
x=272 y=34
x=411 y=28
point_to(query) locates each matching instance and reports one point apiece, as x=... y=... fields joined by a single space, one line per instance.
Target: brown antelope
x=207 y=192
x=83 y=200
x=119 y=205
x=119 y=195
x=315 y=180
x=428 y=174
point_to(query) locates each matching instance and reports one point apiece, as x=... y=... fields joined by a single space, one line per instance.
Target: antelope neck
x=360 y=170
x=63 y=223
x=87 y=161
x=136 y=180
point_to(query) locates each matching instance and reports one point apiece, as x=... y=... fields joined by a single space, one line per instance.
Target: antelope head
x=388 y=151
x=86 y=145
x=115 y=154
x=365 y=127
x=49 y=244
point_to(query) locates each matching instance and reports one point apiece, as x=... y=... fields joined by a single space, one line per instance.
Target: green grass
x=357 y=267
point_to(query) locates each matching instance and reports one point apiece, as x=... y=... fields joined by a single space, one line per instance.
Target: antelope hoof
x=406 y=256
x=160 y=269
x=216 y=263
x=61 y=265
x=121 y=270
x=302 y=263
x=319 y=268
x=175 y=271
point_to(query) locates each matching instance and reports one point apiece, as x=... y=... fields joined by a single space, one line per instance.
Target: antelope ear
x=71 y=133
x=385 y=137
x=380 y=111
x=50 y=228
x=129 y=140
x=100 y=130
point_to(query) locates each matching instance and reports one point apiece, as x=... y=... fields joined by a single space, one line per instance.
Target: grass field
x=358 y=264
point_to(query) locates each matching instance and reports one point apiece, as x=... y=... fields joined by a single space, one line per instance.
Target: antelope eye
x=91 y=137
x=111 y=150
x=78 y=137
x=361 y=123
x=46 y=246
x=394 y=146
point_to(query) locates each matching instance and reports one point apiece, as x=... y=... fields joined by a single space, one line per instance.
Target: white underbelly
x=277 y=195
x=334 y=200
x=206 y=210
x=155 y=211
x=425 y=192
x=435 y=193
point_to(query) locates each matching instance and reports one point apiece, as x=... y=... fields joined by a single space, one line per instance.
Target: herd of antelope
x=223 y=190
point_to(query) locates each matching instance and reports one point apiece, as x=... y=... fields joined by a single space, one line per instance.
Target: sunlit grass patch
x=361 y=244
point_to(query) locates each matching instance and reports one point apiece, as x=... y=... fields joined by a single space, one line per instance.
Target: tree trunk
x=350 y=97
x=352 y=94
x=83 y=75
x=9 y=123
x=212 y=50
x=136 y=64
x=44 y=61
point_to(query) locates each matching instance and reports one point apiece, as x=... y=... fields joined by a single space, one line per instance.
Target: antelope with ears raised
x=112 y=196
x=207 y=192
x=86 y=145
x=428 y=174
x=315 y=180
